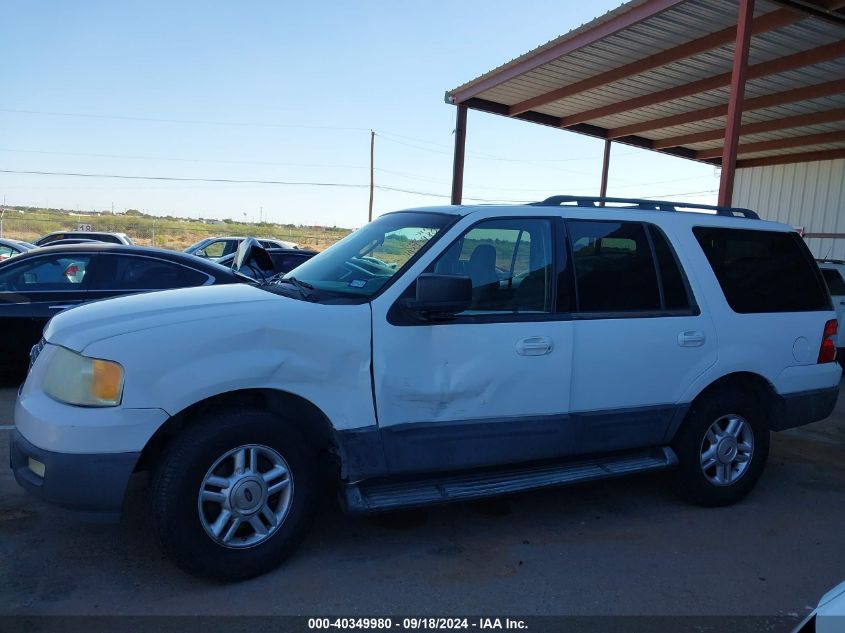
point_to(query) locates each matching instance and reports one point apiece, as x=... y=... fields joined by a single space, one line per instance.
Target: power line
x=238 y=181
x=86 y=115
x=179 y=159
x=297 y=183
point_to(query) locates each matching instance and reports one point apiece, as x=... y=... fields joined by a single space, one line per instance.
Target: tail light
x=71 y=270
x=827 y=351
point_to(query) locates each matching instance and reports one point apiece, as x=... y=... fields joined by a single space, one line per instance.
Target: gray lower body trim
x=93 y=483
x=460 y=444
x=803 y=407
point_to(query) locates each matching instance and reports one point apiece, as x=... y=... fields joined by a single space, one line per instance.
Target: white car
x=829 y=614
x=833 y=271
x=435 y=355
x=216 y=248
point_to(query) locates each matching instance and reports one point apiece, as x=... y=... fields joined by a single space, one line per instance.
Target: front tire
x=234 y=494
x=722 y=448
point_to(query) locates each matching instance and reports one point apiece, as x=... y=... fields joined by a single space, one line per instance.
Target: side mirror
x=441 y=294
x=201 y=253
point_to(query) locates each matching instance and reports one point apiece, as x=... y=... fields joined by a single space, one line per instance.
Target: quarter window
x=763 y=271
x=509 y=262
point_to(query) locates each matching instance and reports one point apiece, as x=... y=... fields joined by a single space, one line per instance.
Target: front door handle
x=534 y=346
x=63 y=306
x=691 y=338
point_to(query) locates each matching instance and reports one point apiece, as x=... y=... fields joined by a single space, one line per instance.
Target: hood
x=80 y=326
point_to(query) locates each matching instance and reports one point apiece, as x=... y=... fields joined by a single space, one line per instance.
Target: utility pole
x=372 y=172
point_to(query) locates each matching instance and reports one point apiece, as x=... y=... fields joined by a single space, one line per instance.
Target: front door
x=490 y=386
x=32 y=291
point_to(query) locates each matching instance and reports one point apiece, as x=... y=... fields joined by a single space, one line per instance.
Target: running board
x=379 y=496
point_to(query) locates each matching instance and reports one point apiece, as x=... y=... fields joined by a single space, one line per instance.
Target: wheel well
x=750 y=383
x=315 y=427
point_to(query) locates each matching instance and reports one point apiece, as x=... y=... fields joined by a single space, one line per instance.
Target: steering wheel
x=359 y=269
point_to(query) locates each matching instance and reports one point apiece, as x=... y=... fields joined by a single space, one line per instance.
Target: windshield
x=365 y=260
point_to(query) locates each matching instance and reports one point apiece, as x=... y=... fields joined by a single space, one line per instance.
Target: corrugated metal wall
x=808 y=195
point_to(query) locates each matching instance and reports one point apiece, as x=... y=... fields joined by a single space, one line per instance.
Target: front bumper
x=85 y=482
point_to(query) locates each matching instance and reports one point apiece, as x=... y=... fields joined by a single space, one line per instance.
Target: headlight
x=83 y=381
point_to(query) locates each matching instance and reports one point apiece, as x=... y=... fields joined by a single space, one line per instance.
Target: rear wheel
x=722 y=448
x=234 y=494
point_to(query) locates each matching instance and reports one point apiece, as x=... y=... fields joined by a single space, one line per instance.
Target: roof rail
x=645 y=205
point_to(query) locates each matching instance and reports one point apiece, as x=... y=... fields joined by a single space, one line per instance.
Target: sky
x=288 y=91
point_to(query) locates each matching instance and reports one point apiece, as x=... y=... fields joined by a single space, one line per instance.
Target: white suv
x=436 y=355
x=833 y=271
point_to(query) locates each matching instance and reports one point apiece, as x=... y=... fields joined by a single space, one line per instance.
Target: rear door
x=639 y=337
x=33 y=290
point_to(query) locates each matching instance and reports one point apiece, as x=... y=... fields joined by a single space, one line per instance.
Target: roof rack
x=645 y=205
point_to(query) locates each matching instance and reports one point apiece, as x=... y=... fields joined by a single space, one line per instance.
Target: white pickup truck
x=435 y=355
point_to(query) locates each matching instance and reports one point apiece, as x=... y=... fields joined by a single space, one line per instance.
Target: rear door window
x=763 y=271
x=614 y=267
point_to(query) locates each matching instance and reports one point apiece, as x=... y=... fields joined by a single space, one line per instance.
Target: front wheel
x=234 y=494
x=722 y=448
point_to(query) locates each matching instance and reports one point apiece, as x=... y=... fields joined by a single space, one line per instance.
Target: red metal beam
x=771 y=67
x=460 y=149
x=779 y=143
x=764 y=23
x=605 y=169
x=579 y=40
x=803 y=157
x=740 y=68
x=757 y=103
x=800 y=120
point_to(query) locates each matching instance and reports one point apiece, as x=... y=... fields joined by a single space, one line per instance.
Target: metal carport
x=733 y=83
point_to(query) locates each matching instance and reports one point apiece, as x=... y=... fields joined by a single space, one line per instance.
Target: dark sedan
x=13 y=248
x=42 y=282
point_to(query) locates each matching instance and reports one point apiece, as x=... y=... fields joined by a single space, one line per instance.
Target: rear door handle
x=534 y=346
x=691 y=338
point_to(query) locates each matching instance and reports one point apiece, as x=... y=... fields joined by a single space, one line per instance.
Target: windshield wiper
x=305 y=289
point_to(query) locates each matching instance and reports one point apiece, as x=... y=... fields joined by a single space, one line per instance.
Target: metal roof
x=656 y=74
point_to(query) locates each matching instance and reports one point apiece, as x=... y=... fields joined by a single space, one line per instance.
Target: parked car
x=12 y=248
x=41 y=283
x=219 y=247
x=832 y=271
x=436 y=355
x=74 y=240
x=829 y=614
x=284 y=261
x=110 y=238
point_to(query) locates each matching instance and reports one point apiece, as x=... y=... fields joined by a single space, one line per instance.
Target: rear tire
x=722 y=447
x=234 y=494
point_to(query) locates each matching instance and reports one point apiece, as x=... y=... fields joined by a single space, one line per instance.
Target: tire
x=206 y=455
x=727 y=481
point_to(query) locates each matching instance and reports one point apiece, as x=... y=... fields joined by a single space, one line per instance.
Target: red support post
x=605 y=169
x=460 y=149
x=734 y=120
